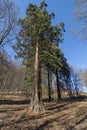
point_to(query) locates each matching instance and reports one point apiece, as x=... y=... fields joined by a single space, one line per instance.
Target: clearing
x=68 y=114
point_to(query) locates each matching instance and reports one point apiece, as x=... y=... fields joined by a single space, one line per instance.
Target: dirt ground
x=68 y=114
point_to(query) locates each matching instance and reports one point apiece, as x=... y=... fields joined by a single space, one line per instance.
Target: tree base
x=36 y=107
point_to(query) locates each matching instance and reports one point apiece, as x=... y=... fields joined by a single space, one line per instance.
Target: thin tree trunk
x=69 y=88
x=76 y=86
x=49 y=87
x=36 y=103
x=58 y=87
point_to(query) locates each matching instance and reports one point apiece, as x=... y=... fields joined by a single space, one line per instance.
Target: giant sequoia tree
x=34 y=45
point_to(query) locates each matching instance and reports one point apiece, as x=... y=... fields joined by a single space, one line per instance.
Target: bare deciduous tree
x=80 y=16
x=8 y=21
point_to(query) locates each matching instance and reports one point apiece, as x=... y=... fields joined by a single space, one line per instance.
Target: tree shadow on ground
x=19 y=102
x=74 y=99
x=14 y=102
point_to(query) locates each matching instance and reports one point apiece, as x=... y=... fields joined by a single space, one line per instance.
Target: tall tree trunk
x=39 y=85
x=37 y=73
x=36 y=103
x=58 y=87
x=49 y=87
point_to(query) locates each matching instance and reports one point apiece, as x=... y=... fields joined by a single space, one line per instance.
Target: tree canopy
x=37 y=44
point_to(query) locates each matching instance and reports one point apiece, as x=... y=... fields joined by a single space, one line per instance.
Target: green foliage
x=37 y=27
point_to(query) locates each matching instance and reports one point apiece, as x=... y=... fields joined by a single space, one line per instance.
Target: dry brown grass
x=69 y=114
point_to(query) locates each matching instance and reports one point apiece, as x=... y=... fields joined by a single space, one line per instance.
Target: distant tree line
x=11 y=76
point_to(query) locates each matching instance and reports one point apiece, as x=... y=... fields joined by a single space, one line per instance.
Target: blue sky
x=75 y=50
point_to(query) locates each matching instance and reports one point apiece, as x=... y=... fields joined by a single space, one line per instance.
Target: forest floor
x=68 y=114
